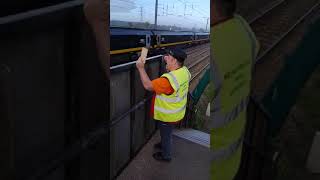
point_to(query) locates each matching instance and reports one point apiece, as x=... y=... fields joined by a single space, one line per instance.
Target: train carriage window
x=158 y=39
x=148 y=39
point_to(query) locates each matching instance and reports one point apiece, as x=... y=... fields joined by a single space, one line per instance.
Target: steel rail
x=202 y=52
x=195 y=49
x=198 y=62
x=266 y=11
x=199 y=72
x=284 y=35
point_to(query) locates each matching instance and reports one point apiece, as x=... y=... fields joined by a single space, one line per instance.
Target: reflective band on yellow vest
x=171 y=100
x=228 y=151
x=171 y=108
x=219 y=119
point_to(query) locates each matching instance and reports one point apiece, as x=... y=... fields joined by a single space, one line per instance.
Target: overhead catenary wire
x=192 y=8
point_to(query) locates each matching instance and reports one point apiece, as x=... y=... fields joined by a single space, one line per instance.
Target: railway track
x=198 y=59
x=192 y=58
x=261 y=13
x=192 y=50
x=271 y=30
x=275 y=24
x=197 y=63
x=271 y=26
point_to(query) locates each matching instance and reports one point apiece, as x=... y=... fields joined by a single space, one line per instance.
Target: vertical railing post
x=247 y=152
x=6 y=126
x=132 y=103
x=97 y=13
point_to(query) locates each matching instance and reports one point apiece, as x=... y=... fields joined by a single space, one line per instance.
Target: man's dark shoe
x=157 y=146
x=158 y=156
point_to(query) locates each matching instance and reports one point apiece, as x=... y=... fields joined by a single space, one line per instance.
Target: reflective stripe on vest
x=226 y=152
x=172 y=100
x=177 y=86
x=220 y=119
x=167 y=111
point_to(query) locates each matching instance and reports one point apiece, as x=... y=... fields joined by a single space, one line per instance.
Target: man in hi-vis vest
x=170 y=99
x=233 y=52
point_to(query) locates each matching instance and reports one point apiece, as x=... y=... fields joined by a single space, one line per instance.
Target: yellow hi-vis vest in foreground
x=233 y=52
x=172 y=108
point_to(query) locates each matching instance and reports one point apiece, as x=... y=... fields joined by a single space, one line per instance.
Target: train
x=126 y=43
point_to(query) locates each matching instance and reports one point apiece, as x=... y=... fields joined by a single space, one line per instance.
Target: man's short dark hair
x=226 y=7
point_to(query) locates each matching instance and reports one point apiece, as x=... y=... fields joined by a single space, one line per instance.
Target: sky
x=181 y=13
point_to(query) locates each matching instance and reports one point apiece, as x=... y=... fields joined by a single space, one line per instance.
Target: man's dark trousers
x=166 y=138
